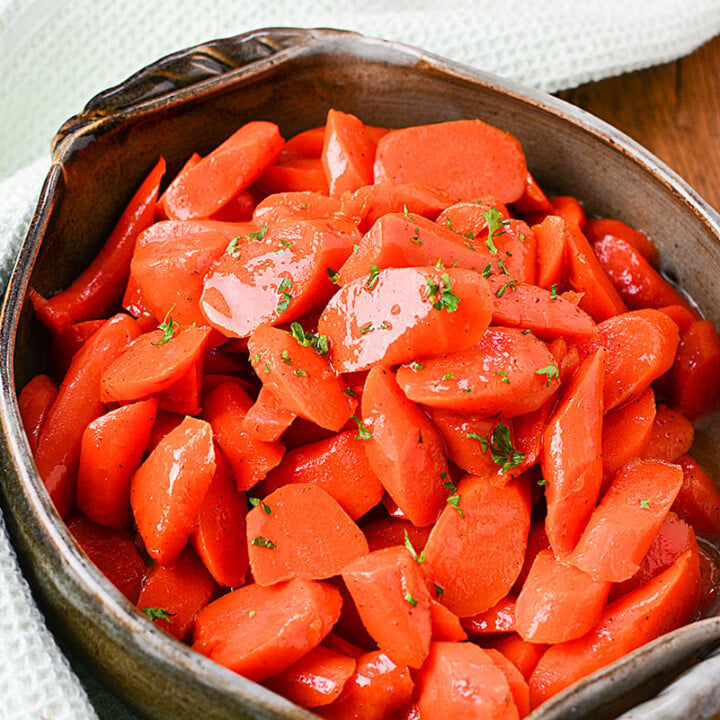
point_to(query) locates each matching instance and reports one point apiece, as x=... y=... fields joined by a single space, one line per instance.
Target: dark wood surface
x=672 y=109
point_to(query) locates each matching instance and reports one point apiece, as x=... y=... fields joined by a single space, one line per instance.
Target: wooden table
x=672 y=109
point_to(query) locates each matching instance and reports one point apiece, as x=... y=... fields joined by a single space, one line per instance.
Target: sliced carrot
x=259 y=631
x=505 y=374
x=598 y=229
x=404 y=448
x=393 y=601
x=570 y=209
x=405 y=314
x=388 y=531
x=445 y=624
x=537 y=541
x=160 y=212
x=683 y=317
x=500 y=618
x=533 y=198
x=268 y=418
x=671 y=435
x=34 y=402
x=518 y=684
x=467 y=158
x=551 y=236
x=169 y=487
x=524 y=655
x=294 y=173
x=231 y=167
x=326 y=463
x=239 y=209
x=622 y=527
x=476 y=549
x=283 y=206
x=698 y=501
x=69 y=340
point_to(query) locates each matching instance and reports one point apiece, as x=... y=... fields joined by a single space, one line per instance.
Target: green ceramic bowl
x=192 y=100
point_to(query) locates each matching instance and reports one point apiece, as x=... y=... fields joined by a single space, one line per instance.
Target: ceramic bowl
x=194 y=99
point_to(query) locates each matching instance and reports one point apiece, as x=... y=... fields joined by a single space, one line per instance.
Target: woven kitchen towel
x=54 y=56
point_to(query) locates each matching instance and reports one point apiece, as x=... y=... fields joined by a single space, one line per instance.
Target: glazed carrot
x=231 y=167
x=623 y=525
x=551 y=236
x=283 y=206
x=391 y=596
x=294 y=173
x=466 y=158
x=683 y=317
x=78 y=403
x=238 y=209
x=524 y=655
x=476 y=548
x=160 y=213
x=505 y=374
x=348 y=153
x=225 y=408
x=153 y=362
x=533 y=198
x=485 y=692
x=598 y=229
x=220 y=538
x=671 y=435
x=172 y=595
x=558 y=602
x=571 y=461
x=169 y=487
x=446 y=624
x=403 y=448
x=698 y=501
x=34 y=402
x=518 y=684
x=570 y=209
x=662 y=604
x=388 y=531
x=300 y=376
x=96 y=293
x=259 y=631
x=500 y=618
x=300 y=531
x=268 y=418
x=308 y=142
x=316 y=679
x=112 y=449
x=68 y=341
x=326 y=463
x=537 y=541
x=404 y=314
x=112 y=551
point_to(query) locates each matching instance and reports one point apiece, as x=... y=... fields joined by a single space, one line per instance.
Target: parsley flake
x=168 y=326
x=484 y=442
x=553 y=291
x=157 y=613
x=285 y=355
x=260 y=234
x=260 y=541
x=645 y=504
x=551 y=372
x=410 y=600
x=509 y=285
x=447 y=376
x=542 y=481
x=502 y=374
x=419 y=559
x=454 y=500
x=256 y=501
x=416 y=237
x=233 y=244
x=445 y=298
x=308 y=339
x=501 y=450
x=285 y=296
x=414 y=365
x=301 y=373
x=363 y=430
x=487 y=271
x=251 y=613
x=332 y=274
x=372 y=280
x=439 y=592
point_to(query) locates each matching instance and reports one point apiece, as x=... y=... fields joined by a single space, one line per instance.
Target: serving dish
x=194 y=99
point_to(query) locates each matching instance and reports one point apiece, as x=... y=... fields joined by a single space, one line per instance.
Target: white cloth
x=54 y=56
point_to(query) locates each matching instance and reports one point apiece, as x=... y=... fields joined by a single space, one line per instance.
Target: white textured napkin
x=54 y=56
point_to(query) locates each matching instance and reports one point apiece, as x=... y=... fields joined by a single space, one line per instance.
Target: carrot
x=622 y=527
x=134 y=303
x=68 y=341
x=111 y=451
x=552 y=238
x=403 y=448
x=486 y=692
x=445 y=624
x=99 y=288
x=505 y=374
x=308 y=142
x=259 y=631
x=476 y=549
x=598 y=229
x=316 y=679
x=524 y=655
x=225 y=408
x=238 y=209
x=268 y=418
x=662 y=604
x=77 y=403
x=393 y=601
x=682 y=316
x=300 y=376
x=570 y=209
x=326 y=463
x=112 y=551
x=500 y=618
x=231 y=167
x=276 y=276
x=571 y=461
x=34 y=402
x=698 y=501
x=220 y=538
x=533 y=198
x=671 y=435
x=169 y=487
x=518 y=684
x=558 y=602
x=466 y=158
x=294 y=173
x=537 y=541
x=172 y=595
x=283 y=206
x=387 y=531
x=160 y=212
x=300 y=531
x=348 y=153
x=404 y=314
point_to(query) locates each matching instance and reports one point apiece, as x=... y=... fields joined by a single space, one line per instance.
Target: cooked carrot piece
x=571 y=460
x=160 y=212
x=518 y=684
x=284 y=206
x=172 y=595
x=268 y=418
x=232 y=166
x=500 y=618
x=533 y=198
x=391 y=596
x=683 y=317
x=169 y=487
x=326 y=463
x=524 y=655
x=597 y=229
x=388 y=531
x=505 y=374
x=570 y=209
x=467 y=158
x=259 y=631
x=551 y=237
x=485 y=692
x=69 y=340
x=308 y=142
x=698 y=501
x=671 y=435
x=294 y=173
x=537 y=541
x=446 y=624
x=77 y=403
x=403 y=314
x=34 y=402
x=623 y=525
x=112 y=449
x=403 y=447
x=476 y=549
x=300 y=531
x=662 y=604
x=239 y=209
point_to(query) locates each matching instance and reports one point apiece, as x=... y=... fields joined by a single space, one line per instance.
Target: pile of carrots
x=366 y=417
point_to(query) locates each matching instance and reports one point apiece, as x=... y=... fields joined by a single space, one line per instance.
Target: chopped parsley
x=363 y=430
x=484 y=442
x=410 y=600
x=168 y=326
x=445 y=298
x=419 y=559
x=260 y=234
x=645 y=504
x=256 y=501
x=553 y=291
x=285 y=355
x=502 y=374
x=285 y=297
x=332 y=274
x=260 y=541
x=414 y=365
x=439 y=592
x=509 y=285
x=300 y=372
x=157 y=613
x=308 y=339
x=233 y=244
x=373 y=278
x=454 y=500
x=501 y=450
x=551 y=372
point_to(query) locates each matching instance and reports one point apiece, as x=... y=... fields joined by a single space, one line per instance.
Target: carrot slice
x=308 y=142
x=533 y=198
x=231 y=167
x=698 y=501
x=500 y=618
x=393 y=601
x=445 y=624
x=268 y=418
x=300 y=531
x=671 y=435
x=294 y=173
x=259 y=631
x=524 y=655
x=476 y=549
x=69 y=340
x=518 y=685
x=466 y=158
x=623 y=525
x=388 y=531
x=305 y=204
x=570 y=209
x=597 y=229
x=552 y=238
x=34 y=402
